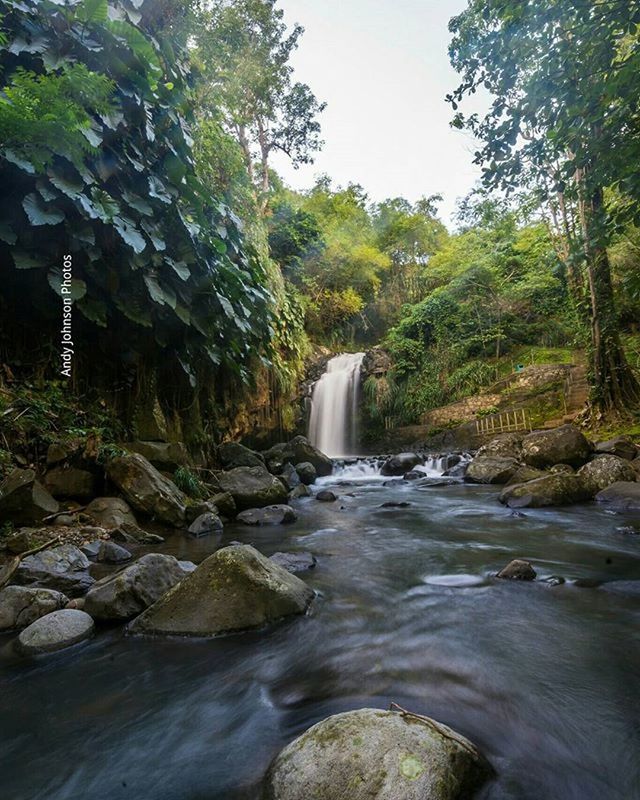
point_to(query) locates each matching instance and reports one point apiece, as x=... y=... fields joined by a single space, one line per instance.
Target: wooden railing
x=504 y=422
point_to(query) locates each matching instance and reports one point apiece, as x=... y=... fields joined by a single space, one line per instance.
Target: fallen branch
x=446 y=732
x=60 y=513
x=55 y=540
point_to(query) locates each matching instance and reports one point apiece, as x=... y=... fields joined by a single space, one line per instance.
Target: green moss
x=411 y=767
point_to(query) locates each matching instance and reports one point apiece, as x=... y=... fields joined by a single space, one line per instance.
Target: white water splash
x=334 y=406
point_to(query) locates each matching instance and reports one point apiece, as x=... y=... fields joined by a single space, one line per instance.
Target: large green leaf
x=40 y=214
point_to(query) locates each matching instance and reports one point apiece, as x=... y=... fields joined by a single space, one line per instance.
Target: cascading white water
x=334 y=406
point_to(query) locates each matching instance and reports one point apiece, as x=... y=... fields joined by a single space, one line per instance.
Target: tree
x=564 y=120
x=244 y=49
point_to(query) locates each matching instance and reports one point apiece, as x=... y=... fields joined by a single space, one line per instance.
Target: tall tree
x=565 y=120
x=245 y=49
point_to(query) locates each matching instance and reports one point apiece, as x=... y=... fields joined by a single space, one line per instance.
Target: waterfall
x=334 y=406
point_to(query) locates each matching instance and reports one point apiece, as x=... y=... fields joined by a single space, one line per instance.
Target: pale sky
x=383 y=69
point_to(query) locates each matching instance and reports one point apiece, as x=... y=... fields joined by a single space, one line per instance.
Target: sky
x=383 y=69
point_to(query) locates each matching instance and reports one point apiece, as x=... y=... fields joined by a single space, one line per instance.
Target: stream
x=543 y=678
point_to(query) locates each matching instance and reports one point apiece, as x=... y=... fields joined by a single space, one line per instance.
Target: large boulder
x=371 y=754
x=525 y=473
x=491 y=469
x=605 y=470
x=306 y=472
x=270 y=515
x=505 y=445
x=147 y=490
x=233 y=454
x=252 y=487
x=621 y=496
x=552 y=490
x=299 y=450
x=128 y=592
x=400 y=463
x=234 y=589
x=289 y=476
x=22 y=605
x=66 y=481
x=23 y=500
x=621 y=446
x=563 y=445
x=110 y=512
x=167 y=456
x=64 y=568
x=55 y=631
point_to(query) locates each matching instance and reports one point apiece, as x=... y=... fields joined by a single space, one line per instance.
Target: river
x=543 y=678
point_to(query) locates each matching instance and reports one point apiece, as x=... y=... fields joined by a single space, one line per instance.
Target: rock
x=413 y=475
x=225 y=504
x=270 y=515
x=187 y=567
x=552 y=490
x=562 y=469
x=395 y=504
x=23 y=500
x=198 y=508
x=636 y=465
x=491 y=469
x=326 y=496
x=112 y=553
x=299 y=491
x=234 y=589
x=167 y=456
x=459 y=471
x=64 y=568
x=563 y=445
x=22 y=605
x=400 y=464
x=77 y=602
x=110 y=512
x=56 y=631
x=297 y=451
x=8 y=570
x=605 y=470
x=371 y=754
x=205 y=524
x=307 y=472
x=134 y=588
x=232 y=455
x=506 y=445
x=147 y=490
x=64 y=521
x=252 y=487
x=525 y=473
x=66 y=481
x=621 y=446
x=289 y=477
x=294 y=562
x=621 y=496
x=26 y=539
x=62 y=451
x=91 y=549
x=517 y=570
x=132 y=534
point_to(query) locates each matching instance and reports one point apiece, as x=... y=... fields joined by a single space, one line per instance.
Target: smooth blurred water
x=543 y=678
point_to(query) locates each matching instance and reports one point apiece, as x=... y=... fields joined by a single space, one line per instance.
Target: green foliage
x=190 y=484
x=108 y=451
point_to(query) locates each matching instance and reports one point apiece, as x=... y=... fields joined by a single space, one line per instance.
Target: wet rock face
x=252 y=487
x=605 y=470
x=271 y=515
x=64 y=568
x=552 y=490
x=621 y=496
x=400 y=464
x=130 y=591
x=55 y=631
x=491 y=469
x=234 y=589
x=377 y=755
x=563 y=445
x=147 y=490
x=23 y=499
x=22 y=605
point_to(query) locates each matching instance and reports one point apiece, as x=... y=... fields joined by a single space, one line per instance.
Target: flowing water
x=334 y=404
x=543 y=678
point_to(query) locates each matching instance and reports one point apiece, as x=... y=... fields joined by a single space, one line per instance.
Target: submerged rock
x=552 y=490
x=22 y=605
x=563 y=445
x=56 y=631
x=605 y=470
x=252 y=487
x=270 y=515
x=326 y=496
x=294 y=562
x=400 y=464
x=23 y=500
x=491 y=469
x=134 y=588
x=147 y=489
x=371 y=754
x=234 y=589
x=64 y=568
x=110 y=512
x=518 y=570
x=621 y=496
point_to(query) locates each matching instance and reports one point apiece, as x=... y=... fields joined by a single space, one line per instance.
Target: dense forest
x=138 y=138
